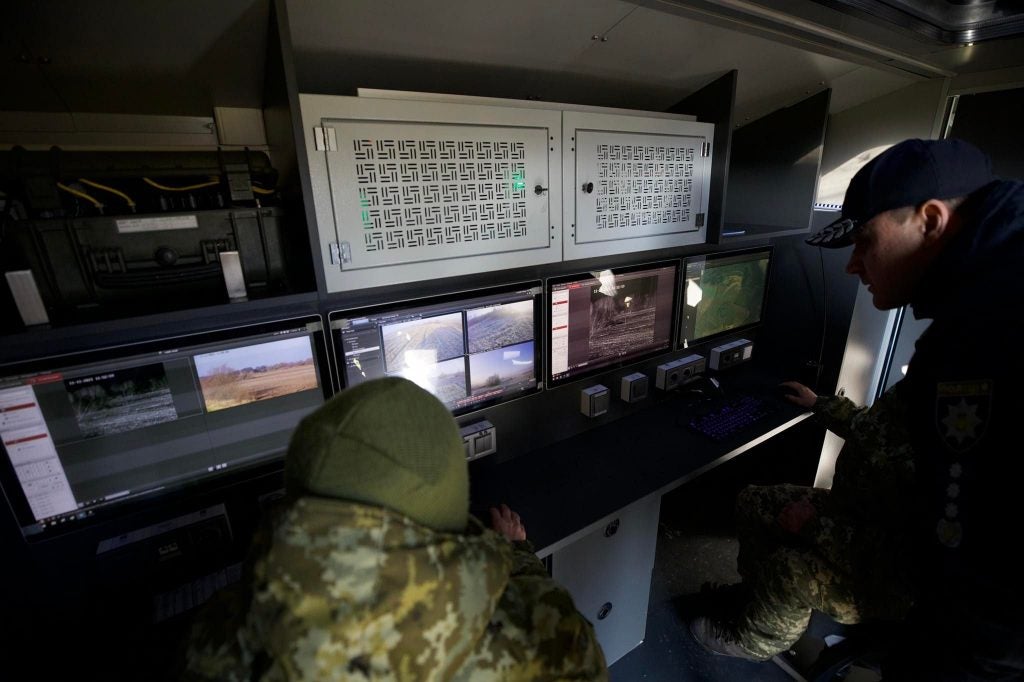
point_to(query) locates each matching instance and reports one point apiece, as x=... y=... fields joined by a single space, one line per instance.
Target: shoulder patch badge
x=962 y=411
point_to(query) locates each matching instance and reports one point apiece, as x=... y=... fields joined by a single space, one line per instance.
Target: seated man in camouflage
x=373 y=569
x=842 y=551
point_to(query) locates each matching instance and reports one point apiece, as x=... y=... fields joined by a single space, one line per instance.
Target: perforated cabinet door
x=410 y=191
x=638 y=184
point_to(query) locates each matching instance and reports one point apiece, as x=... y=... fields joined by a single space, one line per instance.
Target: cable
x=259 y=190
x=213 y=181
x=824 y=319
x=112 y=190
x=81 y=195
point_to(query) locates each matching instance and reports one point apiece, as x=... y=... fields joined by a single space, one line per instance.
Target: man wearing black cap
x=932 y=228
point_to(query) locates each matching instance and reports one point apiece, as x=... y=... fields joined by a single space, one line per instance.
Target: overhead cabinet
x=408 y=190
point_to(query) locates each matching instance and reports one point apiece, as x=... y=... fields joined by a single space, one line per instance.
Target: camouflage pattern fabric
x=850 y=558
x=343 y=591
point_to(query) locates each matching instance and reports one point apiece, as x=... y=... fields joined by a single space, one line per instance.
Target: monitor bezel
x=412 y=304
x=684 y=344
x=136 y=503
x=618 y=364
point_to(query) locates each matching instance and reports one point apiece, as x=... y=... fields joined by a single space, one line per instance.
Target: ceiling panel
x=526 y=34
x=669 y=51
x=186 y=56
x=643 y=58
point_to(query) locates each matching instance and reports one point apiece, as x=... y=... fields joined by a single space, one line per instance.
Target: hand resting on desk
x=508 y=523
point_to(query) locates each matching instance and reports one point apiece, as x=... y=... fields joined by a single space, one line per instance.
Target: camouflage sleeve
x=211 y=648
x=539 y=615
x=525 y=561
x=215 y=647
x=836 y=414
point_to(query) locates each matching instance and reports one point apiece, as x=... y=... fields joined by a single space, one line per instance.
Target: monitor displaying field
x=238 y=376
x=470 y=350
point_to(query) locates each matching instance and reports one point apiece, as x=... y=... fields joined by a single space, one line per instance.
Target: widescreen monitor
x=609 y=318
x=471 y=349
x=723 y=293
x=88 y=435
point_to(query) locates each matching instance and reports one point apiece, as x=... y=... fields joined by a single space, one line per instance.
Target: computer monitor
x=471 y=349
x=723 y=293
x=86 y=436
x=609 y=318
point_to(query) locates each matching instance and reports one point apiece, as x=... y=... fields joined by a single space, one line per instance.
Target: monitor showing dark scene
x=723 y=293
x=86 y=434
x=471 y=349
x=609 y=318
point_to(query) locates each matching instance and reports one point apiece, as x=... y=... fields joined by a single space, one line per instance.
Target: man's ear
x=936 y=220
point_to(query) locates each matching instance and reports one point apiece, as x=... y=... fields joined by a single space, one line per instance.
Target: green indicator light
x=518 y=184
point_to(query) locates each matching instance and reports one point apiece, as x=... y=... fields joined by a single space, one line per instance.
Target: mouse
x=784 y=391
x=795 y=393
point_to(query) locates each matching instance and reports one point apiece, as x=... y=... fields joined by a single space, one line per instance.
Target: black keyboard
x=737 y=413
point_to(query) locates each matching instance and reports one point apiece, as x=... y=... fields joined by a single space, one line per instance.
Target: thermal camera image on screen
x=432 y=339
x=727 y=296
x=502 y=368
x=622 y=313
x=239 y=376
x=446 y=380
x=121 y=400
x=499 y=325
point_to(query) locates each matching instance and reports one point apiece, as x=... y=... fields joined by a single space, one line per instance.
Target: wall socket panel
x=634 y=387
x=732 y=353
x=479 y=439
x=594 y=400
x=674 y=374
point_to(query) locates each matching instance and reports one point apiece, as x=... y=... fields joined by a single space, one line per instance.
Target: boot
x=718 y=639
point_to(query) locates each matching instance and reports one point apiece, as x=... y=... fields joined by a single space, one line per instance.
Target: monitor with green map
x=723 y=293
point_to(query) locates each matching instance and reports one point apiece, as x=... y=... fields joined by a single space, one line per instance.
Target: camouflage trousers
x=828 y=565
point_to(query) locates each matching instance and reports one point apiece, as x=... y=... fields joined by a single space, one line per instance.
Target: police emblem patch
x=962 y=410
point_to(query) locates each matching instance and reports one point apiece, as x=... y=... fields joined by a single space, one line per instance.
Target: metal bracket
x=341 y=253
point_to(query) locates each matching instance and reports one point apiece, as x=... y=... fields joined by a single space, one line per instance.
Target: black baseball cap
x=906 y=174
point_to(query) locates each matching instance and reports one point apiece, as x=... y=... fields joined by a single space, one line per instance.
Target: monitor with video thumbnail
x=471 y=350
x=87 y=435
x=723 y=293
x=609 y=318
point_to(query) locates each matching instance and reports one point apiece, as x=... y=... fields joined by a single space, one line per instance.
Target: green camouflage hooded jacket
x=343 y=591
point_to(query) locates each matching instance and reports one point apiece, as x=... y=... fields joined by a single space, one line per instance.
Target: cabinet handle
x=611 y=529
x=588 y=187
x=605 y=609
x=538 y=190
